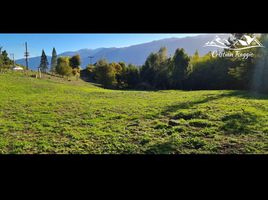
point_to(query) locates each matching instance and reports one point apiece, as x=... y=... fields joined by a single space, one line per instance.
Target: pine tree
x=43 y=63
x=53 y=61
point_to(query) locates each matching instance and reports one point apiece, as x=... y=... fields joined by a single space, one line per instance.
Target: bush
x=63 y=66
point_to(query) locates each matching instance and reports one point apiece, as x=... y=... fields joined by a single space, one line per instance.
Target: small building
x=17 y=68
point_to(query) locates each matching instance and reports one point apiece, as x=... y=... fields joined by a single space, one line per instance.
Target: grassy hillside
x=57 y=116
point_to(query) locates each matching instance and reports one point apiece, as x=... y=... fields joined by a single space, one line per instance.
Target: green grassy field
x=57 y=116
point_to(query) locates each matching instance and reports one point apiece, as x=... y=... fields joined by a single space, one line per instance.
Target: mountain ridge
x=135 y=54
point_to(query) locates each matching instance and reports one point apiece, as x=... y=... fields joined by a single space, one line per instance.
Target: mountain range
x=136 y=54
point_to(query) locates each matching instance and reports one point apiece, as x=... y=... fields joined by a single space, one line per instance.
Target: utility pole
x=91 y=59
x=1 y=50
x=26 y=54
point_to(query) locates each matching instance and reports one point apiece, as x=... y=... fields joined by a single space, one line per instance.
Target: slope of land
x=57 y=116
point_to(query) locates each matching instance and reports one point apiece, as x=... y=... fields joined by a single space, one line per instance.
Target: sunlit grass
x=52 y=115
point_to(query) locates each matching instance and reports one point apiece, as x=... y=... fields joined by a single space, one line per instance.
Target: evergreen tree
x=43 y=63
x=180 y=68
x=5 y=61
x=53 y=61
x=5 y=58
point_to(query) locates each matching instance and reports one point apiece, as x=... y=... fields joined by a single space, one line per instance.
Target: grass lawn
x=58 y=116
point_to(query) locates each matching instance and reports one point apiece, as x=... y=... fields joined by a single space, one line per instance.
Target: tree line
x=185 y=72
x=160 y=71
x=64 y=65
x=5 y=61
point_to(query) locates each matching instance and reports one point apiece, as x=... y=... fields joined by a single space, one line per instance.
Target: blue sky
x=14 y=43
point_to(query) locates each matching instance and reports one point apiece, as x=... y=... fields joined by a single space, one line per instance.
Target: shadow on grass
x=238 y=94
x=190 y=104
x=239 y=123
x=248 y=95
x=167 y=147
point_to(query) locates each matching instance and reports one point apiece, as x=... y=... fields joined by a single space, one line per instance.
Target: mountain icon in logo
x=241 y=43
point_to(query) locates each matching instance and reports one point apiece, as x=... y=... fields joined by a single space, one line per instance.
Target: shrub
x=63 y=66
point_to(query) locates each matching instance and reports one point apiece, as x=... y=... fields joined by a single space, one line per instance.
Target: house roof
x=17 y=67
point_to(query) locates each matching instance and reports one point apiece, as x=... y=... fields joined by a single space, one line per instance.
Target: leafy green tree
x=188 y=72
x=130 y=76
x=105 y=74
x=75 y=61
x=156 y=70
x=43 y=62
x=148 y=70
x=118 y=74
x=121 y=68
x=53 y=61
x=180 y=68
x=89 y=73
x=63 y=66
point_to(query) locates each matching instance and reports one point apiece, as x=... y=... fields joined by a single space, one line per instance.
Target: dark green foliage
x=185 y=72
x=88 y=74
x=75 y=61
x=211 y=73
x=180 y=68
x=43 y=62
x=105 y=74
x=131 y=76
x=53 y=61
x=156 y=70
x=5 y=61
x=113 y=75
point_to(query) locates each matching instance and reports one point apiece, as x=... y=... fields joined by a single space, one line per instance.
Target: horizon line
x=123 y=46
